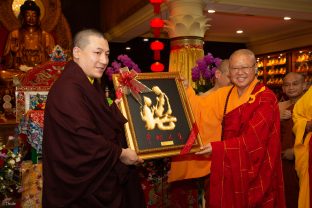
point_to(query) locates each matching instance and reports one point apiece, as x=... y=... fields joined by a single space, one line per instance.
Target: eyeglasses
x=245 y=69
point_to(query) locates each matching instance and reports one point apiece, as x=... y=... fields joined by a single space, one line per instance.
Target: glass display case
x=260 y=66
x=273 y=67
x=302 y=63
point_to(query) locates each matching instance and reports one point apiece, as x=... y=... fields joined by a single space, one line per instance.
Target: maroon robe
x=246 y=166
x=291 y=181
x=82 y=142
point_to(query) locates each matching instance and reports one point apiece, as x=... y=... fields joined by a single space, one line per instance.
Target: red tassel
x=156 y=55
x=156 y=8
x=156 y=32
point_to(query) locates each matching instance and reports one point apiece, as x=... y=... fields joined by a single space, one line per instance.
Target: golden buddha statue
x=29 y=45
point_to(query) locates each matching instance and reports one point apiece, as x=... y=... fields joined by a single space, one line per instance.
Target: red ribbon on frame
x=128 y=84
x=190 y=141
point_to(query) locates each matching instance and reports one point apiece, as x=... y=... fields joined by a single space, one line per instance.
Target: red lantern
x=157 y=46
x=157 y=24
x=156 y=4
x=157 y=67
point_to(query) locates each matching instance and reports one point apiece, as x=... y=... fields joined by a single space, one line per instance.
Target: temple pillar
x=186 y=27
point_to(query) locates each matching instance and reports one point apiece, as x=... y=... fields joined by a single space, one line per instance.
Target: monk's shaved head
x=294 y=75
x=81 y=39
x=243 y=52
x=294 y=85
x=224 y=66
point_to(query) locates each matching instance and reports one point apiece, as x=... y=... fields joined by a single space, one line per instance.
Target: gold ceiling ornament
x=50 y=11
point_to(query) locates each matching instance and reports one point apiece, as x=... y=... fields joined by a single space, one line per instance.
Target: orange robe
x=196 y=166
x=208 y=113
x=246 y=166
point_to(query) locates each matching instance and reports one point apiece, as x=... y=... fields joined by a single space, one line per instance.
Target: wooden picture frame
x=161 y=126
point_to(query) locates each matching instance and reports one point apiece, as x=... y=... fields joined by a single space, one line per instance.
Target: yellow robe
x=301 y=114
x=208 y=112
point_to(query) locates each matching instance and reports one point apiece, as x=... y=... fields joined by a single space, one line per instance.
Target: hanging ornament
x=157 y=46
x=156 y=4
x=157 y=67
x=156 y=24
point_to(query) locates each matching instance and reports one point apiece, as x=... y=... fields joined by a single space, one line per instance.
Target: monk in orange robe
x=246 y=166
x=196 y=166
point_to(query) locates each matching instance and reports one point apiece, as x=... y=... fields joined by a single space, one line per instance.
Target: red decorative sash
x=190 y=141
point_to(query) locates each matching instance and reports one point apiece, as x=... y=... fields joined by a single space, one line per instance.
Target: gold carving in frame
x=162 y=125
x=28 y=98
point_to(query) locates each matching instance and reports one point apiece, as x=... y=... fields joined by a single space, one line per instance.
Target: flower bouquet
x=117 y=66
x=122 y=61
x=10 y=176
x=204 y=71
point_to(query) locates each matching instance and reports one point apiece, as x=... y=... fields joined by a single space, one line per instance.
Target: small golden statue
x=29 y=45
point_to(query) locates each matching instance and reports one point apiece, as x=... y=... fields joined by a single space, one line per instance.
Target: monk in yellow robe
x=302 y=117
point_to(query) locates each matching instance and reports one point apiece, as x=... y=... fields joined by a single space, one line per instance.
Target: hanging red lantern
x=156 y=24
x=156 y=4
x=157 y=67
x=157 y=46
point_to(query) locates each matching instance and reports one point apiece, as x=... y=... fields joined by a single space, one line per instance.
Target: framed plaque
x=161 y=125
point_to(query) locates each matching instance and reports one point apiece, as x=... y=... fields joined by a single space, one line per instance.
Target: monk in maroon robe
x=291 y=181
x=293 y=87
x=246 y=168
x=85 y=159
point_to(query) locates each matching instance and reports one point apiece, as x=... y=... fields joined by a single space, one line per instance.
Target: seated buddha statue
x=29 y=45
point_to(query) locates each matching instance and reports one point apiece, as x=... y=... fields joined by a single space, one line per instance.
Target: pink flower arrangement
x=204 y=71
x=206 y=67
x=124 y=61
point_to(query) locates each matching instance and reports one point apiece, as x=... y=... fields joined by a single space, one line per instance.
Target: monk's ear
x=76 y=52
x=305 y=86
x=283 y=89
x=218 y=74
